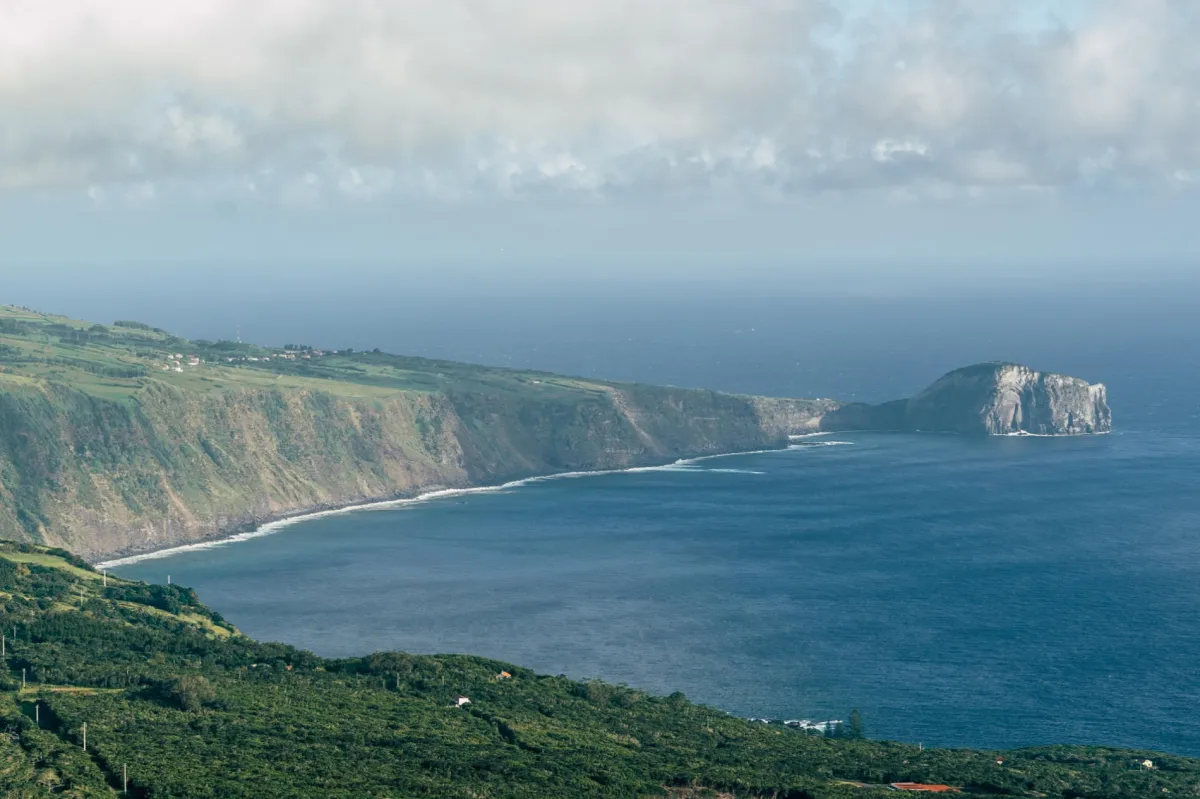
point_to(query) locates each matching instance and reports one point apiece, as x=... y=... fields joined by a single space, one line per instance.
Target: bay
x=994 y=593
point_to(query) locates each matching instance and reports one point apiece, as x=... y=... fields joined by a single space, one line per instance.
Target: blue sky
x=600 y=137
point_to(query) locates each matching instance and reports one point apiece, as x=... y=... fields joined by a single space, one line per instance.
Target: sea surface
x=995 y=593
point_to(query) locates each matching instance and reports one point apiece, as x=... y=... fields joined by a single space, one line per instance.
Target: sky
x=598 y=139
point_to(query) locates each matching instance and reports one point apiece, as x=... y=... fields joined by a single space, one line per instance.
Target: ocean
x=992 y=593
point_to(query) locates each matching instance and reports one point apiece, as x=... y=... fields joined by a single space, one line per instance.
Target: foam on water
x=269 y=528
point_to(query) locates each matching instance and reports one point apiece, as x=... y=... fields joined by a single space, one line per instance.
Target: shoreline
x=272 y=526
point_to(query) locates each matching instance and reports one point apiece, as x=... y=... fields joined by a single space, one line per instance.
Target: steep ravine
x=103 y=477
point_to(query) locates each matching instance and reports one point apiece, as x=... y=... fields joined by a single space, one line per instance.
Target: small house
x=461 y=701
x=1147 y=764
x=504 y=675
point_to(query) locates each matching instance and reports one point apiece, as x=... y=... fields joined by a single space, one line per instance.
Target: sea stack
x=988 y=399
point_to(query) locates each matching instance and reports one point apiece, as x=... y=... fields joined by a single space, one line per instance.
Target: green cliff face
x=109 y=443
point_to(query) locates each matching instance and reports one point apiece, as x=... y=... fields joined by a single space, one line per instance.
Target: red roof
x=922 y=787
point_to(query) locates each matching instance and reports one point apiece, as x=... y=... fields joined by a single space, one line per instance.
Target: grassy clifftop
x=175 y=698
x=117 y=438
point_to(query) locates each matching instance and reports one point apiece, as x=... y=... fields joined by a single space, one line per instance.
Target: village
x=178 y=362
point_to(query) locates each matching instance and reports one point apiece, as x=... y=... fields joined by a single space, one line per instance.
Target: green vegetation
x=190 y=708
x=124 y=437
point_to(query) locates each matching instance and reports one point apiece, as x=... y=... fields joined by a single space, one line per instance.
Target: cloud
x=315 y=101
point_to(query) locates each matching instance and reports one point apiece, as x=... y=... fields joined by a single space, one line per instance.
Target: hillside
x=175 y=698
x=123 y=438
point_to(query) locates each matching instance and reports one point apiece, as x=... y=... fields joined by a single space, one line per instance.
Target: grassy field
x=56 y=562
x=116 y=361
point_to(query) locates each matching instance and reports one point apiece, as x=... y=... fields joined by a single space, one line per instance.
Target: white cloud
x=890 y=149
x=312 y=101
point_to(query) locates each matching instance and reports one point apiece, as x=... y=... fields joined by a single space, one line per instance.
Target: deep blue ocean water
x=1002 y=592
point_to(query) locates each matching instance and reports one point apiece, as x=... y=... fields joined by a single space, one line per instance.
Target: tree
x=856 y=726
x=192 y=692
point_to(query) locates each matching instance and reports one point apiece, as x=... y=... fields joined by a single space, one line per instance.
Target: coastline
x=272 y=526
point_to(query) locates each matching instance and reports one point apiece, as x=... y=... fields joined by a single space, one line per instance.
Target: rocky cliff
x=167 y=465
x=988 y=399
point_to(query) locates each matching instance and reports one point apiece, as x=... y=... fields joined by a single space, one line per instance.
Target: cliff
x=988 y=399
x=110 y=444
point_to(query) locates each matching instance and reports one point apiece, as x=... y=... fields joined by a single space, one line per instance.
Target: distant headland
x=988 y=399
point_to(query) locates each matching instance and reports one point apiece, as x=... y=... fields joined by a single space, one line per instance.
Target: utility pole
x=22 y=679
x=3 y=646
x=105 y=573
x=37 y=713
x=124 y=779
x=168 y=579
x=85 y=736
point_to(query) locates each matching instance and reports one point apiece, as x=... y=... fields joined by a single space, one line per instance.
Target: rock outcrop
x=988 y=399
